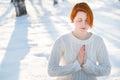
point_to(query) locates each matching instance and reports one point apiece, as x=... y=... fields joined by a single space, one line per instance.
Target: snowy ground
x=25 y=42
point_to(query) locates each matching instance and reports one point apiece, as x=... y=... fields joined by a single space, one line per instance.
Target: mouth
x=83 y=28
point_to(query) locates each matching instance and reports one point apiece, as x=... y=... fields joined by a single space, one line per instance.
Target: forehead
x=81 y=14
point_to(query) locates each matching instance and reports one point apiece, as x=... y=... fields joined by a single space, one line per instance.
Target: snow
x=26 y=41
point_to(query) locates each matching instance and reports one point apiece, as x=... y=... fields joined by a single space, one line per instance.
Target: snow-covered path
x=25 y=42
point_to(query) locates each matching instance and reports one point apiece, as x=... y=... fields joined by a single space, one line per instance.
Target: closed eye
x=79 y=20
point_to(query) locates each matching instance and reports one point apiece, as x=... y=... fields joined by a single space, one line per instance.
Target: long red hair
x=82 y=6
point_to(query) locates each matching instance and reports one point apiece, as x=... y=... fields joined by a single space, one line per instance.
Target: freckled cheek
x=78 y=25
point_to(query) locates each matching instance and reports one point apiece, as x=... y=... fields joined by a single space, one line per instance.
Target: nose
x=83 y=23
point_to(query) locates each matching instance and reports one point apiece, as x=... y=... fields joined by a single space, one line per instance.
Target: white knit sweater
x=63 y=62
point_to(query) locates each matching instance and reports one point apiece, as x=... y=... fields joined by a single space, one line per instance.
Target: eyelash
x=81 y=20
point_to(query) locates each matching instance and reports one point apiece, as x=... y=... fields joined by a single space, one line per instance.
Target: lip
x=83 y=28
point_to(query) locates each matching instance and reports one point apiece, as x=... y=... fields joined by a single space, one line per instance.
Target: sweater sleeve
x=103 y=68
x=54 y=69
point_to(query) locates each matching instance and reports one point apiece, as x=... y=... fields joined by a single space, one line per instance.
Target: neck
x=81 y=35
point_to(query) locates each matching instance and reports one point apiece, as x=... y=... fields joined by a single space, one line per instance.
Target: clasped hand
x=81 y=57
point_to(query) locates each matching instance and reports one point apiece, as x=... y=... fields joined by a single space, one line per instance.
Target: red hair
x=82 y=6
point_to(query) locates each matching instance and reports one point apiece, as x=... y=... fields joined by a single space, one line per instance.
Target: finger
x=84 y=59
x=84 y=47
x=84 y=51
x=85 y=55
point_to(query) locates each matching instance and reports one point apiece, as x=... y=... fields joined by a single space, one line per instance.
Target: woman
x=79 y=55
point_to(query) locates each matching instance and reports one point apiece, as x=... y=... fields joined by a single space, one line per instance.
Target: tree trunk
x=20 y=7
x=55 y=2
x=11 y=1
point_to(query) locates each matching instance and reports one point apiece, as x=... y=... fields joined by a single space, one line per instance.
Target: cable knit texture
x=64 y=65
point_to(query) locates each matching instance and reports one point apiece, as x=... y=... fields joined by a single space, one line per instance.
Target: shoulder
x=98 y=38
x=66 y=35
x=62 y=38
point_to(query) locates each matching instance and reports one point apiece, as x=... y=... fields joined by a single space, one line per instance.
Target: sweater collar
x=81 y=41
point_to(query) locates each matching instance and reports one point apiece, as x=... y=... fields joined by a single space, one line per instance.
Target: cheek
x=77 y=25
x=87 y=26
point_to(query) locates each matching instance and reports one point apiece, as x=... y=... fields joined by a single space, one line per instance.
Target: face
x=80 y=21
